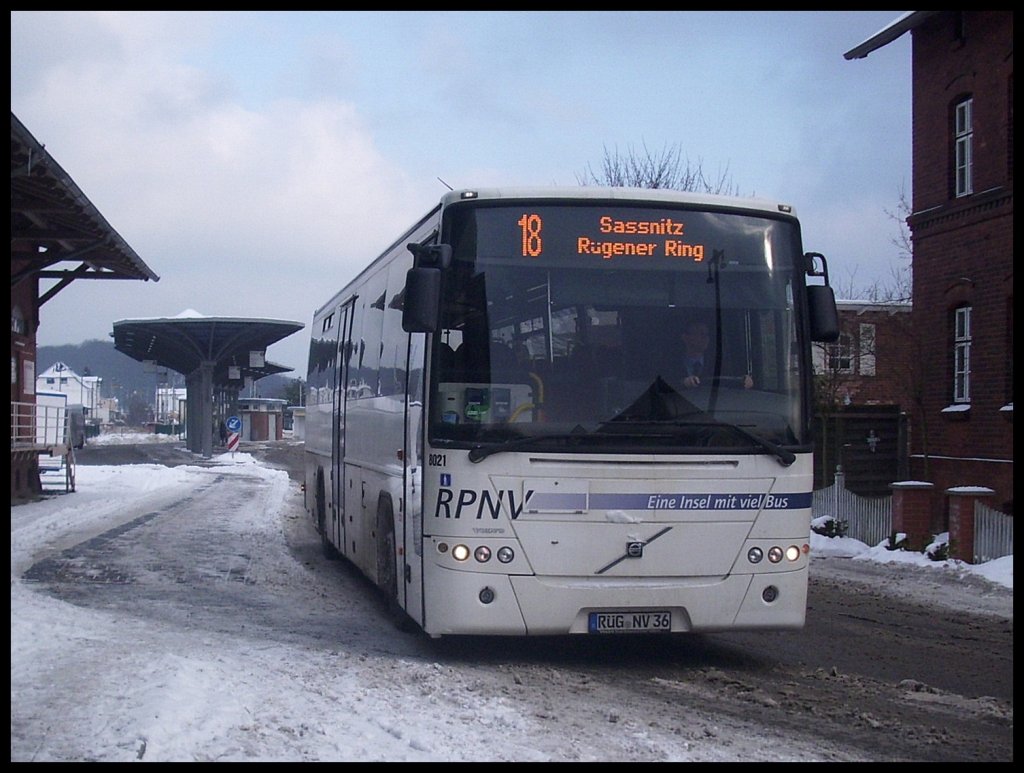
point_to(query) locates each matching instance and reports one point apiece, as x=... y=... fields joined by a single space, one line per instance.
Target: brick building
x=863 y=393
x=962 y=235
x=868 y=364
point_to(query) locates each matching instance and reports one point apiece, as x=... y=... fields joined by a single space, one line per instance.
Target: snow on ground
x=193 y=693
x=999 y=571
x=128 y=435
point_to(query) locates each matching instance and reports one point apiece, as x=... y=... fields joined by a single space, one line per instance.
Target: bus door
x=337 y=527
x=410 y=576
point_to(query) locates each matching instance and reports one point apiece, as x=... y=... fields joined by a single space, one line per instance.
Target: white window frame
x=962 y=354
x=963 y=139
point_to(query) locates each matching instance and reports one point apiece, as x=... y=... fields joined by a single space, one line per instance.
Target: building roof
x=58 y=369
x=53 y=223
x=860 y=306
x=889 y=33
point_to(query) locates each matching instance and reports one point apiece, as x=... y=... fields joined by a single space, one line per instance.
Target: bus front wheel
x=321 y=518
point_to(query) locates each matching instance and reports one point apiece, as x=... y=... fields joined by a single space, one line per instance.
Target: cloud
x=212 y=194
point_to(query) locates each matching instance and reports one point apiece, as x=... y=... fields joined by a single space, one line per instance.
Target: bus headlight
x=482 y=554
x=460 y=552
x=505 y=554
x=775 y=554
x=754 y=555
x=792 y=553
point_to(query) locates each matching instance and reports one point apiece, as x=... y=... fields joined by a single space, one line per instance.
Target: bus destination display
x=611 y=237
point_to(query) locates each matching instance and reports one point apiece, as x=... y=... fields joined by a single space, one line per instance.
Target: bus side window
x=505 y=367
x=450 y=362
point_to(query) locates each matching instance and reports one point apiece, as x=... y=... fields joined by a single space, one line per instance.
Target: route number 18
x=531 y=225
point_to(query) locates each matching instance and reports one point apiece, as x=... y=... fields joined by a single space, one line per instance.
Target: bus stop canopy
x=184 y=343
x=209 y=352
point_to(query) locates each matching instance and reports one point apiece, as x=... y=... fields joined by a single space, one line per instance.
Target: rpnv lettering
x=469 y=503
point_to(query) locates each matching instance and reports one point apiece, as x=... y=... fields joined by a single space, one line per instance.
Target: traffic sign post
x=234 y=425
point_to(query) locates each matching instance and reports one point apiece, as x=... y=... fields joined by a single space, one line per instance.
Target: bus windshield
x=618 y=328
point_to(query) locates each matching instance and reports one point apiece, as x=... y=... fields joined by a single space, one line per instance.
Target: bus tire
x=330 y=552
x=387 y=574
x=387 y=566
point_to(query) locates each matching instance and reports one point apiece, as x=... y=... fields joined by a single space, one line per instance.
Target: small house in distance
x=262 y=418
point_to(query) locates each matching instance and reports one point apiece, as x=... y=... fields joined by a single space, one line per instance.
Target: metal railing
x=44 y=431
x=38 y=427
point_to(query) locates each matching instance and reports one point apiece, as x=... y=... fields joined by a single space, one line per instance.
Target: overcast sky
x=256 y=160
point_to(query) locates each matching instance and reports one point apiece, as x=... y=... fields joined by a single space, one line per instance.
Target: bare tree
x=902 y=274
x=665 y=169
x=898 y=287
x=913 y=370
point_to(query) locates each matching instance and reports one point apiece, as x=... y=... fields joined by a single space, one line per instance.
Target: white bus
x=500 y=437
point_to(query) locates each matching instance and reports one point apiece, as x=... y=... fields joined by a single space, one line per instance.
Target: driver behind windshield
x=699 y=358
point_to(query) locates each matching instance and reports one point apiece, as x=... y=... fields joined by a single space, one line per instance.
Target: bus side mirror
x=422 y=305
x=821 y=301
x=822 y=313
x=431 y=255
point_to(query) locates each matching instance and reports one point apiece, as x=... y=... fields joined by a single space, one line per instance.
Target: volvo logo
x=634 y=549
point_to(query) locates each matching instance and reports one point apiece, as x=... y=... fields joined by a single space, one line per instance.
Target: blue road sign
x=234 y=424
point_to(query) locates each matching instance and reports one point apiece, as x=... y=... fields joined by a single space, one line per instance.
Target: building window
x=18 y=325
x=866 y=361
x=840 y=357
x=962 y=355
x=963 y=147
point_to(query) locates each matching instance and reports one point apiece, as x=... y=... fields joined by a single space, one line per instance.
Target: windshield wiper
x=785 y=457
x=480 y=452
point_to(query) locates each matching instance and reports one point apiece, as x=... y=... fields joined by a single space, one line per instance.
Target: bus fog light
x=754 y=555
x=460 y=552
x=792 y=553
x=482 y=554
x=486 y=595
x=505 y=554
x=770 y=593
x=775 y=554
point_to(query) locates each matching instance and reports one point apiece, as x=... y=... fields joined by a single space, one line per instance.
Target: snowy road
x=187 y=613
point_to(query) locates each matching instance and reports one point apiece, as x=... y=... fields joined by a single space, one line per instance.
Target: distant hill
x=123 y=375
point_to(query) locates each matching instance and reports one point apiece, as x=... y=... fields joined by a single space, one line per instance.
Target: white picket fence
x=993 y=533
x=869 y=519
